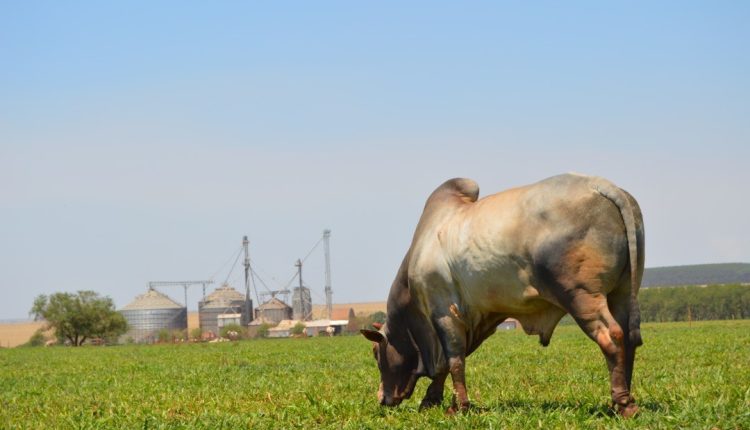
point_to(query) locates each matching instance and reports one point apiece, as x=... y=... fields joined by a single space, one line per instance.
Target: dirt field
x=360 y=309
x=192 y=320
x=14 y=334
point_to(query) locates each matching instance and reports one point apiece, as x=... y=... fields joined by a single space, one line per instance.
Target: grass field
x=686 y=377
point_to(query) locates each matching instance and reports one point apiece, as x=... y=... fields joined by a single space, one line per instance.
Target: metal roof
x=274 y=303
x=325 y=323
x=288 y=324
x=342 y=313
x=226 y=293
x=152 y=300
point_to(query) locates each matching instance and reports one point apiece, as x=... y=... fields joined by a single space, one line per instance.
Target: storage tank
x=150 y=313
x=273 y=311
x=302 y=304
x=223 y=301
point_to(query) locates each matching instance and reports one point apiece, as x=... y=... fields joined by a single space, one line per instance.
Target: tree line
x=698 y=274
x=693 y=303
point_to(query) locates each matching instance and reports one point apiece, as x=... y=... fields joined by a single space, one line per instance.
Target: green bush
x=37 y=339
x=298 y=329
x=233 y=328
x=164 y=336
x=263 y=330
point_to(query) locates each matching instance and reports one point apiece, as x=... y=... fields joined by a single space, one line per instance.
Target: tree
x=80 y=316
x=196 y=334
x=378 y=317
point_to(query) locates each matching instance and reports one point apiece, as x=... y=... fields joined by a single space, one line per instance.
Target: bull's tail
x=629 y=210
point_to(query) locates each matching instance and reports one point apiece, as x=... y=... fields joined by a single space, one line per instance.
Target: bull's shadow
x=524 y=406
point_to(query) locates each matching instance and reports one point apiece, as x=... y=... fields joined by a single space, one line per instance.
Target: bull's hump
x=462 y=190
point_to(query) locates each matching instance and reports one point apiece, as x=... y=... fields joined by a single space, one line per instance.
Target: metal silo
x=152 y=312
x=302 y=304
x=273 y=311
x=224 y=300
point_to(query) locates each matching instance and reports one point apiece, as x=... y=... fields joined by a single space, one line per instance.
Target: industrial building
x=150 y=313
x=223 y=307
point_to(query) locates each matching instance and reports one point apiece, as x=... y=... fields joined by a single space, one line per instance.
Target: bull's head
x=398 y=362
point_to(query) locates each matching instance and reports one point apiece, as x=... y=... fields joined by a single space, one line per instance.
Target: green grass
x=686 y=377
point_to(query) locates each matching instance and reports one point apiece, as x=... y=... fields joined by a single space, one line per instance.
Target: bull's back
x=507 y=250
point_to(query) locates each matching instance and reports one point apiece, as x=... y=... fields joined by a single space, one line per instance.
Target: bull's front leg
x=460 y=397
x=434 y=395
x=454 y=331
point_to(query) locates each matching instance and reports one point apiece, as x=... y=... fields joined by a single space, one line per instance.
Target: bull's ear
x=377 y=325
x=372 y=335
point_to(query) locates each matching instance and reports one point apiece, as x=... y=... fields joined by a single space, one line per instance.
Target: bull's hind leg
x=592 y=314
x=619 y=304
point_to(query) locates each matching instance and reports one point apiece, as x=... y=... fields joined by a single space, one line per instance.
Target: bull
x=570 y=244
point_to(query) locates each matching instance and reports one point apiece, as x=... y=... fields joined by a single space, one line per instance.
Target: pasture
x=687 y=376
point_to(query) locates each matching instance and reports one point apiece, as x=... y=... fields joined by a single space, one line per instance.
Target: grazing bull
x=570 y=244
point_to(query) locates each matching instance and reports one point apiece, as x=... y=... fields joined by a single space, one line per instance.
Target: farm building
x=282 y=329
x=344 y=314
x=224 y=320
x=273 y=311
x=320 y=327
x=221 y=308
x=312 y=328
x=150 y=313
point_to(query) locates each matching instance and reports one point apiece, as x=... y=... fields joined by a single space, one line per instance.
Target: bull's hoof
x=454 y=409
x=627 y=411
x=429 y=403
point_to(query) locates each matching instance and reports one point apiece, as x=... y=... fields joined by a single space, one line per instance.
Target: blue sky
x=140 y=142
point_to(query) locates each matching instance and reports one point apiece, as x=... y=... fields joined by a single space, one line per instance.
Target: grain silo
x=150 y=313
x=223 y=302
x=301 y=304
x=273 y=311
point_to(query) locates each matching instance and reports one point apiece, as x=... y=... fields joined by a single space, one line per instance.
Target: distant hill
x=697 y=274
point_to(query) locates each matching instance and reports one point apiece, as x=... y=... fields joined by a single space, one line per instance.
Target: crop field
x=687 y=376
